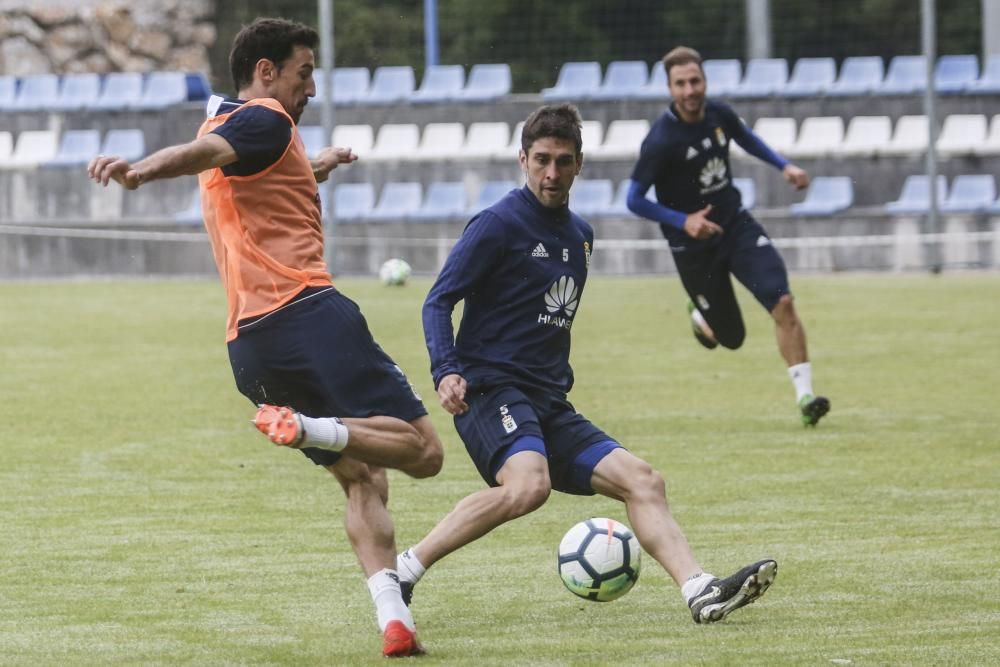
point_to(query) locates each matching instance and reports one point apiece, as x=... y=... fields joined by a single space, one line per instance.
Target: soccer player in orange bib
x=300 y=350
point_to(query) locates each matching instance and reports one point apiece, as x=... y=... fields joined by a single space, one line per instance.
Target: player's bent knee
x=526 y=495
x=645 y=482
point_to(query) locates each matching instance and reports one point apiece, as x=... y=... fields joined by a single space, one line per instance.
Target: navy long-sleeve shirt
x=520 y=267
x=688 y=163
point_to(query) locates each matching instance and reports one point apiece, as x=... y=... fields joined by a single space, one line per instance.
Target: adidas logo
x=763 y=241
x=539 y=251
x=692 y=153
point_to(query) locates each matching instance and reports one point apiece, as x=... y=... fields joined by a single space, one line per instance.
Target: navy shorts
x=318 y=356
x=499 y=416
x=745 y=251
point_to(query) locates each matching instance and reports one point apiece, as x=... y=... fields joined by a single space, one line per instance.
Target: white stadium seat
x=395 y=142
x=440 y=141
x=910 y=136
x=359 y=138
x=866 y=136
x=819 y=136
x=778 y=133
x=484 y=140
x=622 y=141
x=961 y=134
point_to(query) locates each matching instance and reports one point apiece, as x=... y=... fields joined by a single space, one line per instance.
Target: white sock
x=409 y=567
x=384 y=587
x=802 y=378
x=699 y=319
x=324 y=432
x=695 y=585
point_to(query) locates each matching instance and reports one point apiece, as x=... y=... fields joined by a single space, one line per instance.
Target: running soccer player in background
x=520 y=266
x=685 y=157
x=299 y=349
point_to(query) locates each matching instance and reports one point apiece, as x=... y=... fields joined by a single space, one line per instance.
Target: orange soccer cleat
x=282 y=426
x=398 y=641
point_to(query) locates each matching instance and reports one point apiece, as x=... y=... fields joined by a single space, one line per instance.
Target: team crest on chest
x=720 y=137
x=586 y=253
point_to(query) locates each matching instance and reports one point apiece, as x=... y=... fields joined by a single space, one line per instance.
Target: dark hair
x=682 y=55
x=555 y=120
x=273 y=39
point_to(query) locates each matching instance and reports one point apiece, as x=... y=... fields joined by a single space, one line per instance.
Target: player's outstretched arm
x=328 y=160
x=206 y=152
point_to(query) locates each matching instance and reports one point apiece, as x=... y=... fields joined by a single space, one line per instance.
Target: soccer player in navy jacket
x=685 y=157
x=521 y=266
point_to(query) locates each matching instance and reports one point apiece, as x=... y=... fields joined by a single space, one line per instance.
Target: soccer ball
x=394 y=272
x=599 y=559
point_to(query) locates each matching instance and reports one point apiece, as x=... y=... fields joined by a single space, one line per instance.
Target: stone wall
x=39 y=37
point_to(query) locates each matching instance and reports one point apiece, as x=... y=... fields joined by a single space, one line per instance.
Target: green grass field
x=144 y=521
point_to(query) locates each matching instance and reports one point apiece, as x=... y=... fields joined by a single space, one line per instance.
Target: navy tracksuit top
x=520 y=267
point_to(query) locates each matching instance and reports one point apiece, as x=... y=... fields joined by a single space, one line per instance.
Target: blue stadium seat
x=591 y=197
x=576 y=81
x=444 y=201
x=313 y=139
x=994 y=208
x=78 y=91
x=906 y=75
x=397 y=201
x=811 y=77
x=162 y=90
x=191 y=214
x=988 y=81
x=350 y=84
x=486 y=83
x=623 y=80
x=859 y=75
x=490 y=193
x=353 y=201
x=441 y=83
x=748 y=191
x=722 y=76
x=77 y=147
x=915 y=196
x=127 y=144
x=656 y=88
x=37 y=92
x=970 y=194
x=763 y=77
x=198 y=86
x=390 y=85
x=8 y=91
x=122 y=90
x=954 y=74
x=826 y=195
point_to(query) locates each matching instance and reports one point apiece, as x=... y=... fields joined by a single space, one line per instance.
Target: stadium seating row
x=600 y=198
x=44 y=148
x=763 y=77
x=766 y=77
x=397 y=84
x=484 y=140
x=112 y=92
x=819 y=136
x=865 y=136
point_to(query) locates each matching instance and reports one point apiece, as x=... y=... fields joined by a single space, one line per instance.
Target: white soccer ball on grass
x=599 y=559
x=394 y=272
